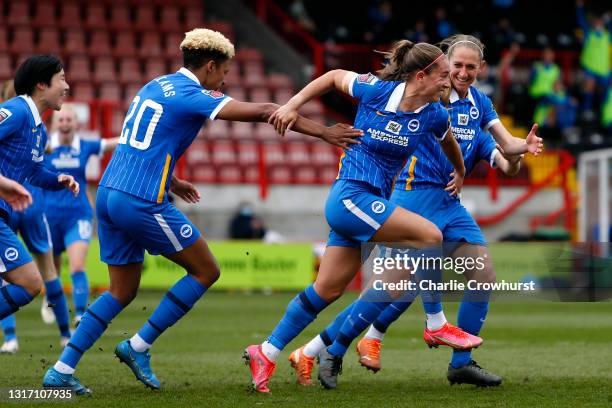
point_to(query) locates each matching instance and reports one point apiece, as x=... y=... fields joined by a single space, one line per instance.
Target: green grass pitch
x=550 y=354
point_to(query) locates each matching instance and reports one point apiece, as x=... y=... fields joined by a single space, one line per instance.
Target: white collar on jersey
x=76 y=142
x=454 y=96
x=396 y=98
x=33 y=109
x=189 y=75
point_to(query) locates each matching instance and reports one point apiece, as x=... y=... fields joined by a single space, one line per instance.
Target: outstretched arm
x=508 y=164
x=108 y=145
x=339 y=134
x=513 y=145
x=453 y=152
x=285 y=117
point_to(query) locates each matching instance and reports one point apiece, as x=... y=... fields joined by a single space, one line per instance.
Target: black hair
x=35 y=70
x=194 y=58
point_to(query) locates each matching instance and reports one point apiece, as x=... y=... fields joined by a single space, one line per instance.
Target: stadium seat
x=236 y=92
x=279 y=175
x=254 y=80
x=197 y=154
x=145 y=18
x=74 y=41
x=223 y=27
x=44 y=15
x=194 y=18
x=48 y=41
x=104 y=70
x=120 y=17
x=305 y=175
x=298 y=154
x=154 y=67
x=282 y=96
x=150 y=45
x=252 y=68
x=327 y=174
x=245 y=55
x=130 y=92
x=82 y=91
x=242 y=130
x=23 y=40
x=248 y=153
x=250 y=174
x=265 y=132
x=70 y=16
x=95 y=16
x=280 y=81
x=99 y=43
x=223 y=153
x=312 y=108
x=324 y=154
x=19 y=13
x=231 y=174
x=202 y=174
x=125 y=44
x=260 y=95
x=171 y=49
x=6 y=71
x=217 y=129
x=78 y=68
x=110 y=92
x=170 y=19
x=3 y=38
x=129 y=71
x=274 y=154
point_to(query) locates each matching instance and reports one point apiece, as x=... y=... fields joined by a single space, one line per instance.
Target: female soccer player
x=34 y=229
x=397 y=111
x=132 y=204
x=70 y=220
x=421 y=188
x=40 y=84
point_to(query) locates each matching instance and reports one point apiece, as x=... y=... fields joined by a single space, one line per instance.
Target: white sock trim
x=314 y=347
x=373 y=333
x=436 y=320
x=63 y=368
x=270 y=350
x=138 y=344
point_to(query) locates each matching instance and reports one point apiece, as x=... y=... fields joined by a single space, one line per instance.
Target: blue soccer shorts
x=355 y=211
x=129 y=225
x=65 y=231
x=33 y=226
x=445 y=211
x=13 y=253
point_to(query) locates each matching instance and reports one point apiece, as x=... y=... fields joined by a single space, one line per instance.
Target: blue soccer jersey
x=390 y=136
x=71 y=160
x=162 y=121
x=23 y=137
x=471 y=118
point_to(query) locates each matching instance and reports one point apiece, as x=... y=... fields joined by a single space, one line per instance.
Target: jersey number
x=132 y=134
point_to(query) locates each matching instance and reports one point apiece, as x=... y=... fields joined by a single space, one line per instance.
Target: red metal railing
x=566 y=162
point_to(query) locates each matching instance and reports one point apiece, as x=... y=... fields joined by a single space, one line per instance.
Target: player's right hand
x=342 y=135
x=14 y=194
x=69 y=183
x=283 y=119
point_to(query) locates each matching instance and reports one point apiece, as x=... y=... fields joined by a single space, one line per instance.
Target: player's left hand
x=69 y=183
x=283 y=119
x=185 y=190
x=535 y=145
x=456 y=184
x=342 y=135
x=14 y=194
